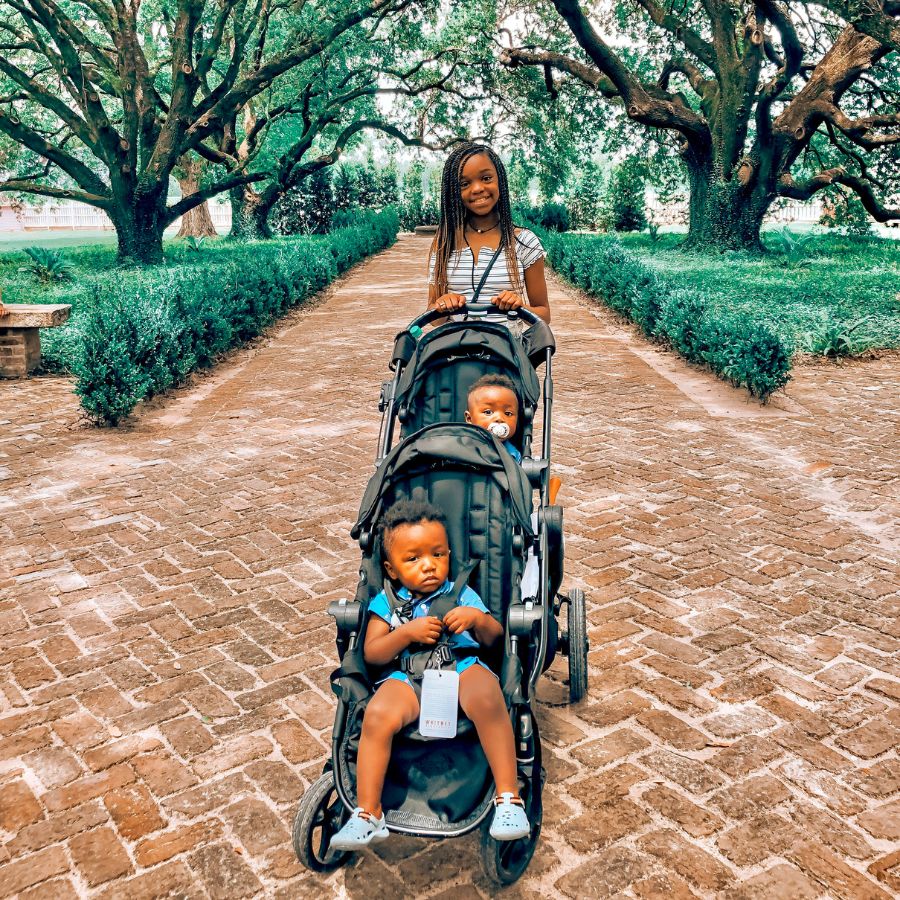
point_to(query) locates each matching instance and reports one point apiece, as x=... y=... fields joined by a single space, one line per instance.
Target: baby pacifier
x=499 y=430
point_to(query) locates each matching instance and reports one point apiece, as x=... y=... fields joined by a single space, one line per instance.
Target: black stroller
x=445 y=789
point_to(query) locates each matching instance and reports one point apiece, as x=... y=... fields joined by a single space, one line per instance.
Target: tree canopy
x=762 y=98
x=105 y=96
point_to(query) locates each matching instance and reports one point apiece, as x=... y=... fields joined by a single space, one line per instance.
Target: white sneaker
x=510 y=822
x=360 y=830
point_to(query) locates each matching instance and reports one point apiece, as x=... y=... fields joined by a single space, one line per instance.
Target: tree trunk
x=197 y=222
x=724 y=215
x=140 y=221
x=248 y=217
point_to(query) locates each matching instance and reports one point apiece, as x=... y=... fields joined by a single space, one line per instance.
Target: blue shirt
x=382 y=608
x=513 y=451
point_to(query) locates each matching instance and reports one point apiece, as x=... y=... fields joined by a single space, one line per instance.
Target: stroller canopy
x=449 y=360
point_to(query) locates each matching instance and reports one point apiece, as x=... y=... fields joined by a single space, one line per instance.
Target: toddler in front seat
x=416 y=555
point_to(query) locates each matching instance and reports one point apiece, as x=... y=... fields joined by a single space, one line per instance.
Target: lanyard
x=477 y=290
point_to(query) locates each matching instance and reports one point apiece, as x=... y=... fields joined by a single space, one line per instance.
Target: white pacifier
x=500 y=430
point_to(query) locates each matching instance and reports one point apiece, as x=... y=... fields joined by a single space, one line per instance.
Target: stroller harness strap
x=441 y=655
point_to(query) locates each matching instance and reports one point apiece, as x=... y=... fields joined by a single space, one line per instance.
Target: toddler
x=417 y=560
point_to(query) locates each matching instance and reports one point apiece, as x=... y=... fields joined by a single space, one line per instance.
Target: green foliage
x=551 y=216
x=195 y=244
x=418 y=204
x=308 y=208
x=845 y=212
x=585 y=197
x=625 y=197
x=740 y=351
x=836 y=280
x=837 y=339
x=48 y=266
x=145 y=332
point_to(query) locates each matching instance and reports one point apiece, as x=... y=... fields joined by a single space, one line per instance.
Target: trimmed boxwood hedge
x=745 y=353
x=145 y=330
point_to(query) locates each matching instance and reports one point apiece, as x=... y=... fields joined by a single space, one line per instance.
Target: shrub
x=307 y=208
x=145 y=332
x=550 y=216
x=585 y=198
x=48 y=266
x=626 y=197
x=742 y=352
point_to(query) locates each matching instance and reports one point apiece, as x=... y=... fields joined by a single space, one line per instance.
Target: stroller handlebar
x=475 y=311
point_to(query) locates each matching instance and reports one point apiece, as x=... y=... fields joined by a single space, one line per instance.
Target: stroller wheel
x=577 y=646
x=319 y=818
x=505 y=862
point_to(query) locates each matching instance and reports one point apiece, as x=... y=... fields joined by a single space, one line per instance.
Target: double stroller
x=443 y=788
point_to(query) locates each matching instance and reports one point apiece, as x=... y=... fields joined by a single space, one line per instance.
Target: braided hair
x=452 y=222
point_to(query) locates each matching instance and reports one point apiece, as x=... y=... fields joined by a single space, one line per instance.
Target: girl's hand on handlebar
x=507 y=300
x=424 y=630
x=449 y=302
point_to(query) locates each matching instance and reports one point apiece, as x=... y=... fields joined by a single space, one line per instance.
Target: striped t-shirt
x=464 y=273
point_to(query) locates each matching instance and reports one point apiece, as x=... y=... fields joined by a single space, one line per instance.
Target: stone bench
x=426 y=229
x=20 y=337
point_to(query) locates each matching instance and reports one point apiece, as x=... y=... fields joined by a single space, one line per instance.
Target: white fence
x=74 y=216
x=782 y=211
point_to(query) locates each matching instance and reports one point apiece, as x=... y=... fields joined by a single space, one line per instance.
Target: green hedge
x=143 y=331
x=742 y=352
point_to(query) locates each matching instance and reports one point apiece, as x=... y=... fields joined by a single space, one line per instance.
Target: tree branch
x=45 y=190
x=513 y=57
x=639 y=102
x=863 y=190
x=186 y=204
x=690 y=39
x=858 y=130
x=77 y=170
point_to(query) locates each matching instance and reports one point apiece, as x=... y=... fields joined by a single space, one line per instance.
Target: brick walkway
x=164 y=654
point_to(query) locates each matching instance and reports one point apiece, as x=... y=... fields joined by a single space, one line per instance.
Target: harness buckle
x=440 y=657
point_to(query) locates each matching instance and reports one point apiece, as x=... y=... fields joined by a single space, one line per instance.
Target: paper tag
x=440 y=701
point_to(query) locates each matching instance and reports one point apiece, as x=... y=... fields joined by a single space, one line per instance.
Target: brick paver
x=164 y=654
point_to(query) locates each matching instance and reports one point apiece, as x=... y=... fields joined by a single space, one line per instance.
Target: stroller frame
x=327 y=803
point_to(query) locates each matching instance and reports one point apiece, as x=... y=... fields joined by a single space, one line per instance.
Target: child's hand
x=425 y=630
x=507 y=300
x=449 y=302
x=462 y=618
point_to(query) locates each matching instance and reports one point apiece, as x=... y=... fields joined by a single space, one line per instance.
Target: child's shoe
x=510 y=822
x=360 y=830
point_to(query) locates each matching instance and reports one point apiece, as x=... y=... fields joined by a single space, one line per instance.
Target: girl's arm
x=382 y=645
x=536 y=289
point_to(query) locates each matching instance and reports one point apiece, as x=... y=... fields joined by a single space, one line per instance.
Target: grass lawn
x=11 y=241
x=828 y=284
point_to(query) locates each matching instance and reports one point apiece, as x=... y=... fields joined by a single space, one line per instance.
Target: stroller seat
x=446 y=362
x=486 y=498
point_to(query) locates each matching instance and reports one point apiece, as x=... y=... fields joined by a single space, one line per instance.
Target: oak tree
x=763 y=98
x=106 y=96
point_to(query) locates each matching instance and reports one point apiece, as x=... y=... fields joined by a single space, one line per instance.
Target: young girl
x=417 y=559
x=475 y=220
